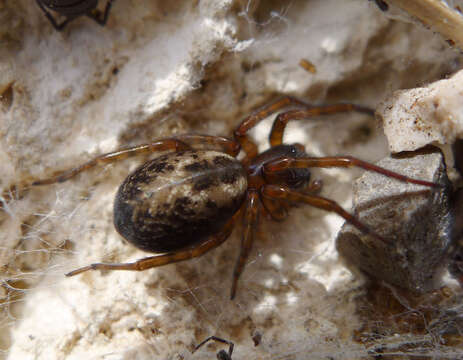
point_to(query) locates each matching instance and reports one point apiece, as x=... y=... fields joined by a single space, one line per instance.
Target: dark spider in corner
x=222 y=354
x=72 y=9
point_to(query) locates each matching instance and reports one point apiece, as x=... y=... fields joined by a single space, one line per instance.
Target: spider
x=222 y=354
x=186 y=201
x=72 y=9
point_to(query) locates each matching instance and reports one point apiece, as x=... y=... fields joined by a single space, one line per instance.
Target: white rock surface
x=416 y=117
x=160 y=68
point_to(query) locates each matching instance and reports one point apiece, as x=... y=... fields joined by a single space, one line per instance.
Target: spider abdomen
x=179 y=199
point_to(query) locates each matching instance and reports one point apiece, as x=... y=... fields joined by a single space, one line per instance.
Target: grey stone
x=415 y=222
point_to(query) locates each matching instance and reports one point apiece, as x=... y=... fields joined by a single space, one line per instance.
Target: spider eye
x=297 y=150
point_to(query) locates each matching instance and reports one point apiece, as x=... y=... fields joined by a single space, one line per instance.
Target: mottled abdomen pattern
x=179 y=199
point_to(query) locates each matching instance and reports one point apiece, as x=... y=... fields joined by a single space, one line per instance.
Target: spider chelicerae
x=186 y=201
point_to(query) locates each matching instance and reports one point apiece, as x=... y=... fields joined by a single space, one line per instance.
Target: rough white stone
x=416 y=117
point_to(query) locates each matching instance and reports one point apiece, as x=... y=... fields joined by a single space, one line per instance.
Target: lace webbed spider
x=185 y=202
x=72 y=9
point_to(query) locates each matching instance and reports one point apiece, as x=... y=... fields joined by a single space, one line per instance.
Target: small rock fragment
x=416 y=117
x=415 y=220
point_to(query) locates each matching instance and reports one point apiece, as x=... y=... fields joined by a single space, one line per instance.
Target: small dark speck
x=257 y=338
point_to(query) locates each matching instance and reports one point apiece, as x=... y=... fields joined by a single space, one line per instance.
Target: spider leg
x=52 y=20
x=277 y=210
x=250 y=219
x=181 y=142
x=252 y=120
x=167 y=258
x=279 y=192
x=279 y=125
x=215 y=338
x=95 y=14
x=161 y=145
x=210 y=142
x=275 y=166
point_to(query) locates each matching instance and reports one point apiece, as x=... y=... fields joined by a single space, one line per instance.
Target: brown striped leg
x=167 y=258
x=279 y=192
x=267 y=110
x=161 y=145
x=252 y=120
x=273 y=167
x=250 y=219
x=209 y=142
x=279 y=125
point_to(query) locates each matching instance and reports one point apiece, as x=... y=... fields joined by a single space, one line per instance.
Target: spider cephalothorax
x=186 y=202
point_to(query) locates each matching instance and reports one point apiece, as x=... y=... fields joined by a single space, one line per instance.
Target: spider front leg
x=250 y=219
x=338 y=161
x=276 y=135
x=252 y=120
x=167 y=258
x=279 y=125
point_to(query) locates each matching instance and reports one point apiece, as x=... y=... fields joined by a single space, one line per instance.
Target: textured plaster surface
x=160 y=68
